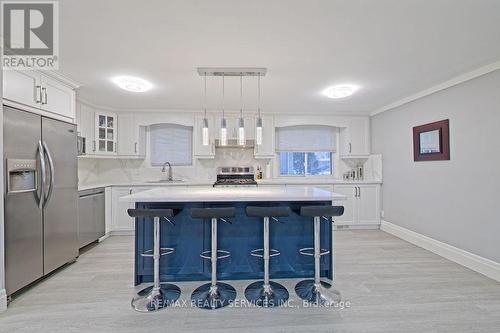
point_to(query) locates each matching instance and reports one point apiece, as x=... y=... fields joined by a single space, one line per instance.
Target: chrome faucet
x=163 y=169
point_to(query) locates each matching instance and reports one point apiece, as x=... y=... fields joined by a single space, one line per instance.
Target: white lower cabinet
x=362 y=206
x=121 y=222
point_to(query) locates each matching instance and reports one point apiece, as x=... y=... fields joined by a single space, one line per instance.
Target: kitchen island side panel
x=190 y=237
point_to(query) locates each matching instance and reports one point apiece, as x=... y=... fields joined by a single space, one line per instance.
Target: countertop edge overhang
x=233 y=194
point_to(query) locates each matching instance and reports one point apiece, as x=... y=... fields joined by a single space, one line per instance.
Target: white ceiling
x=391 y=48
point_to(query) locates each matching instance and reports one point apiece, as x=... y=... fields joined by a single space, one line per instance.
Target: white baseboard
x=472 y=261
x=3 y=300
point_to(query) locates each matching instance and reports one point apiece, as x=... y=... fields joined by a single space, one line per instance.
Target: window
x=306 y=150
x=305 y=163
x=171 y=143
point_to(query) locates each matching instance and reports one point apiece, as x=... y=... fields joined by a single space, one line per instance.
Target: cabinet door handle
x=350 y=148
x=135 y=147
x=116 y=144
x=359 y=192
x=38 y=94
x=44 y=96
x=355 y=192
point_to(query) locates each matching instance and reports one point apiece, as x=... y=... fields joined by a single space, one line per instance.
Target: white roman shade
x=171 y=143
x=306 y=138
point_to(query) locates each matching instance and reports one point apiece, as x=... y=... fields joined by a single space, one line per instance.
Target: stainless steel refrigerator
x=41 y=196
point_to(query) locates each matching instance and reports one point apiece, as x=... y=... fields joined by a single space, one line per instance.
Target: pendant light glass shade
x=241 y=132
x=223 y=132
x=241 y=121
x=258 y=127
x=205 y=137
x=223 y=123
x=205 y=134
x=258 y=131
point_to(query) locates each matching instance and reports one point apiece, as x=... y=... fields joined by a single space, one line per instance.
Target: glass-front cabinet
x=105 y=133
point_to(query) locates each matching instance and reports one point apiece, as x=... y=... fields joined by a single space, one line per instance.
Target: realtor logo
x=30 y=35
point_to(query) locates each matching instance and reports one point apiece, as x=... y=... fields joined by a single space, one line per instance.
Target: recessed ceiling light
x=340 y=91
x=131 y=83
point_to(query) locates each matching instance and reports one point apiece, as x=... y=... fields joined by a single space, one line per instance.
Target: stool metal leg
x=215 y=294
x=159 y=295
x=266 y=293
x=317 y=291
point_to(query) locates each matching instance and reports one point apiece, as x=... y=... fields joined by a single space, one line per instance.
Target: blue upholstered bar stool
x=215 y=294
x=317 y=291
x=266 y=293
x=159 y=295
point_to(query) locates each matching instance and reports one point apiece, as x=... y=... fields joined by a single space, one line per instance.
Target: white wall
x=457 y=201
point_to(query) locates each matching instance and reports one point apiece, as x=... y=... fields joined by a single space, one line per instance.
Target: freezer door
x=23 y=218
x=60 y=210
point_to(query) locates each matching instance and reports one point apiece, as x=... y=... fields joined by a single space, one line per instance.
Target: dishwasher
x=91 y=216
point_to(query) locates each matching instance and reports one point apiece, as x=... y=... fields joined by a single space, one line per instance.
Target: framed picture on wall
x=431 y=142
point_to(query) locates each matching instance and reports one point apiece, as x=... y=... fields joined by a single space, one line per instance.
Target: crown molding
x=56 y=75
x=445 y=85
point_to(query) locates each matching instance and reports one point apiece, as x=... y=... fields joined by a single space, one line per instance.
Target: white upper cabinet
x=42 y=93
x=57 y=98
x=22 y=87
x=354 y=139
x=131 y=138
x=267 y=148
x=199 y=150
x=105 y=133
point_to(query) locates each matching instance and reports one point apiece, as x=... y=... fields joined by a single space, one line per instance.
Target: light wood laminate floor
x=391 y=285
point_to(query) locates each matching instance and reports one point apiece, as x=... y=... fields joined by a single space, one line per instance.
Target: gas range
x=235 y=176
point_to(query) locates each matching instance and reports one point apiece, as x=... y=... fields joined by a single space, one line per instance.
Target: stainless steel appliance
x=81 y=145
x=90 y=216
x=235 y=176
x=40 y=196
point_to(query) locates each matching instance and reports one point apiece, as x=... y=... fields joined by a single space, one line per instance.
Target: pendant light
x=258 y=129
x=241 y=121
x=223 y=123
x=205 y=133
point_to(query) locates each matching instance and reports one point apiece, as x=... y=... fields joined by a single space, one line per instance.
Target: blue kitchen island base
x=190 y=237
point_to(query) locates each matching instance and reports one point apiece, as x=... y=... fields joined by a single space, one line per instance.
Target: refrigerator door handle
x=51 y=168
x=41 y=197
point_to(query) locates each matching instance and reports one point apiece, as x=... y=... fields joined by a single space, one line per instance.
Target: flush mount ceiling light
x=340 y=91
x=131 y=83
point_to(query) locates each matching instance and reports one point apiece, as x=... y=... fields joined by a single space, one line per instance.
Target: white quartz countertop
x=275 y=181
x=230 y=194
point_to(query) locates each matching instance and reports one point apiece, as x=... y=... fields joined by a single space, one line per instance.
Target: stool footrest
x=309 y=251
x=260 y=253
x=208 y=254
x=163 y=252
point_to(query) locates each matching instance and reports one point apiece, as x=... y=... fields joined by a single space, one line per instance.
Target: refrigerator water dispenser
x=21 y=176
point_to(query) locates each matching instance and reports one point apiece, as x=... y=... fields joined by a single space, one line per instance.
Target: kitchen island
x=190 y=237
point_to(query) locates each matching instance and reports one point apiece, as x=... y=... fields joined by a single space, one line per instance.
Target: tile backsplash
x=102 y=170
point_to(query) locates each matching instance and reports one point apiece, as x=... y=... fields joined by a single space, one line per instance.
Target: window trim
x=305 y=174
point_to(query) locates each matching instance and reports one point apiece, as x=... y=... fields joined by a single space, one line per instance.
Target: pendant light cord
x=205 y=98
x=241 y=95
x=223 y=96
x=258 y=94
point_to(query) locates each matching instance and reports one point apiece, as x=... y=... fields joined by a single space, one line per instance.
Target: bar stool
x=215 y=294
x=266 y=293
x=316 y=291
x=159 y=295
